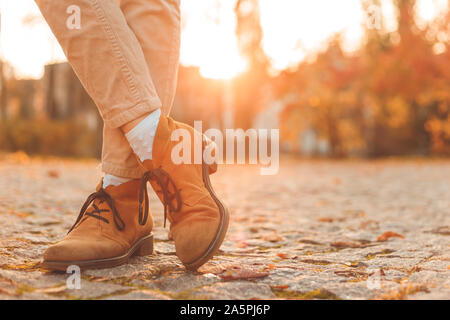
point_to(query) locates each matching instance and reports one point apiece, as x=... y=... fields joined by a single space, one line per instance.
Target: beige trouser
x=125 y=53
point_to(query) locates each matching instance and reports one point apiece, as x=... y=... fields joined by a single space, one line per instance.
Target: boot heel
x=146 y=248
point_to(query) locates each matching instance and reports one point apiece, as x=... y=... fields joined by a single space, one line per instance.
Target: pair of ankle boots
x=115 y=222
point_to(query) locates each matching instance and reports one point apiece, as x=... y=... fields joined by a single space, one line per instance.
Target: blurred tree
x=249 y=86
x=326 y=101
x=437 y=98
x=403 y=79
x=249 y=33
x=3 y=92
x=2 y=81
x=390 y=97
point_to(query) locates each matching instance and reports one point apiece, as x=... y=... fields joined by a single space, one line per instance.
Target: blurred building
x=58 y=97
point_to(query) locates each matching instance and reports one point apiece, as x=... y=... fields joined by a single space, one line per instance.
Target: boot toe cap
x=193 y=240
x=81 y=250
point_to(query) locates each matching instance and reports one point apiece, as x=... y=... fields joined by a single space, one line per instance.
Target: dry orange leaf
x=57 y=289
x=345 y=244
x=242 y=274
x=272 y=238
x=364 y=224
x=260 y=219
x=280 y=287
x=284 y=255
x=325 y=219
x=389 y=234
x=53 y=174
x=242 y=245
x=240 y=219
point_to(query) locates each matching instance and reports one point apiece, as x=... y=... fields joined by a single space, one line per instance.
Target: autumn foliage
x=390 y=97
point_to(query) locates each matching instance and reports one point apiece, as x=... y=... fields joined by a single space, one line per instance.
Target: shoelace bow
x=104 y=196
x=164 y=181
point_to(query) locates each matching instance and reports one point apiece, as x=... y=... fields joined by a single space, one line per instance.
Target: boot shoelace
x=164 y=181
x=95 y=213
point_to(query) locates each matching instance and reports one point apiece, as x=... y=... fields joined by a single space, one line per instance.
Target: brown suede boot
x=198 y=219
x=107 y=233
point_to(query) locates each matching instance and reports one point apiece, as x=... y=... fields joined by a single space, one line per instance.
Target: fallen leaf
x=215 y=269
x=53 y=174
x=20 y=214
x=317 y=262
x=242 y=244
x=356 y=264
x=356 y=213
x=280 y=287
x=100 y=279
x=57 y=289
x=260 y=219
x=307 y=241
x=325 y=219
x=364 y=224
x=445 y=231
x=243 y=273
x=272 y=238
x=284 y=255
x=344 y=244
x=351 y=273
x=389 y=234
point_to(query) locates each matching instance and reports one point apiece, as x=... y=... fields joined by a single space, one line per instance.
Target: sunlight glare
x=292 y=30
x=27 y=47
x=208 y=39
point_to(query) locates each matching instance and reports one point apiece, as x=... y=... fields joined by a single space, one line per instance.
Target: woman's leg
x=199 y=220
x=156 y=25
x=106 y=57
x=110 y=63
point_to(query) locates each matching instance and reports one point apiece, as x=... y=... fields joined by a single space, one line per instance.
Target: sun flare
x=292 y=30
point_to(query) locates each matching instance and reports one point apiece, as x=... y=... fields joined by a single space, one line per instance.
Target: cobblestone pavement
x=317 y=230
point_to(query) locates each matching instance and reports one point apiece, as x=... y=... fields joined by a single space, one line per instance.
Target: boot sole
x=223 y=225
x=142 y=247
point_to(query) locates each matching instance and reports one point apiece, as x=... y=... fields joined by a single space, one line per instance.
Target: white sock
x=110 y=180
x=141 y=137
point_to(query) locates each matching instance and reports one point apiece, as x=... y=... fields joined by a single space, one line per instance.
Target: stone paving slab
x=317 y=230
